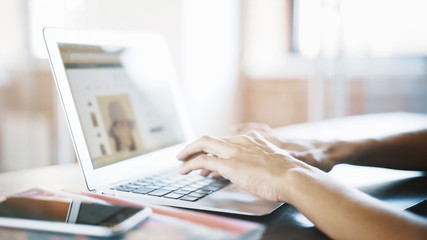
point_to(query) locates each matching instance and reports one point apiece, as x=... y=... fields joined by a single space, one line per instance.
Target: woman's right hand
x=249 y=161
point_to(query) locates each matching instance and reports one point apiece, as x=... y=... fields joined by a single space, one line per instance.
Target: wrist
x=360 y=149
x=296 y=179
x=347 y=151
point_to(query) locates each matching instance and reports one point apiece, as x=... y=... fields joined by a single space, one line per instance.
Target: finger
x=205 y=173
x=206 y=144
x=216 y=175
x=194 y=155
x=307 y=157
x=210 y=163
x=295 y=155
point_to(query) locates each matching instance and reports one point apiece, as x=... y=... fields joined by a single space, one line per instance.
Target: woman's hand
x=262 y=168
x=249 y=161
x=323 y=155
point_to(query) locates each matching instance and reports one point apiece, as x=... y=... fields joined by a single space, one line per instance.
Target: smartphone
x=69 y=216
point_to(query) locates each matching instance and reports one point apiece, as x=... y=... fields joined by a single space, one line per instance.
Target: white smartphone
x=69 y=216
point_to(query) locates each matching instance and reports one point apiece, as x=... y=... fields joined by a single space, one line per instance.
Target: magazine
x=164 y=223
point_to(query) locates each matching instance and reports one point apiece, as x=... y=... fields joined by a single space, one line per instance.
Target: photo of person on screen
x=121 y=128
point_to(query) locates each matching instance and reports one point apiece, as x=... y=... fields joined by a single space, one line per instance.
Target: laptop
x=127 y=121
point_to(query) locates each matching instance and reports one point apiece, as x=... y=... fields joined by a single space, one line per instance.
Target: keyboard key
x=134 y=184
x=189 y=198
x=168 y=181
x=161 y=183
x=195 y=194
x=144 y=181
x=180 y=191
x=123 y=189
x=173 y=195
x=159 y=192
x=197 y=185
x=211 y=188
x=190 y=189
x=203 y=191
x=208 y=180
x=143 y=190
x=130 y=185
x=170 y=188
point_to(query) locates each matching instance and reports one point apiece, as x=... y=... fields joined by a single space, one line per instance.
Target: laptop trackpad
x=236 y=199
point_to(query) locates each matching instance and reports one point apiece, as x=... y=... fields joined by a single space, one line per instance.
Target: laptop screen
x=124 y=101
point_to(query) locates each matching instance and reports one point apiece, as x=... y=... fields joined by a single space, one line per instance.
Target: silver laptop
x=127 y=121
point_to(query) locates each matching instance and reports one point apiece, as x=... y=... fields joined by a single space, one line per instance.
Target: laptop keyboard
x=174 y=186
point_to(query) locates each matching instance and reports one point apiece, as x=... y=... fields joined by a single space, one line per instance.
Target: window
x=53 y=13
x=334 y=57
x=360 y=28
x=43 y=13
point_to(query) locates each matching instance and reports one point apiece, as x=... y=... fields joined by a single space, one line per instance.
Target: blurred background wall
x=275 y=61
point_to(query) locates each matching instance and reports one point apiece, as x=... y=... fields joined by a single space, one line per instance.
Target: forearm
x=405 y=151
x=345 y=213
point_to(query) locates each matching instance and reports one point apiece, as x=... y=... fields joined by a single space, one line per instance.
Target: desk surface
x=398 y=188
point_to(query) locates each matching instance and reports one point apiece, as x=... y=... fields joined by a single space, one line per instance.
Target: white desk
x=400 y=188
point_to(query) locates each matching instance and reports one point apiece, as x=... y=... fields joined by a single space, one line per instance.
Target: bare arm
x=407 y=150
x=346 y=213
x=265 y=170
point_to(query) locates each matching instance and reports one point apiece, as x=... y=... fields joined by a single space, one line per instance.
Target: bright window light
x=309 y=28
x=377 y=28
x=43 y=13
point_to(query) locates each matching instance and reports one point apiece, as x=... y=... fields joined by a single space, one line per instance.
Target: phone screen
x=66 y=211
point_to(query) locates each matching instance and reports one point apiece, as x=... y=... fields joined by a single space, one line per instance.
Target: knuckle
x=252 y=133
x=202 y=157
x=310 y=155
x=192 y=165
x=247 y=138
x=255 y=134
